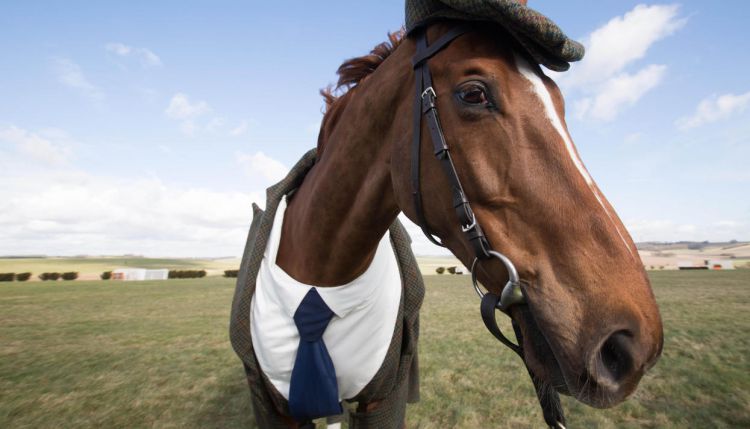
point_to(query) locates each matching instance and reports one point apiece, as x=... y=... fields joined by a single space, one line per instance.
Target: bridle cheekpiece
x=425 y=105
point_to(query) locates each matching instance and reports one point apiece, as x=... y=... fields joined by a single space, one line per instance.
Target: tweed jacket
x=397 y=380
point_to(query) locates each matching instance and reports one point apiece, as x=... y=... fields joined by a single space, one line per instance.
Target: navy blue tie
x=313 y=391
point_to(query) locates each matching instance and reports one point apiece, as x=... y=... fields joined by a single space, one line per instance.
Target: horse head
x=591 y=327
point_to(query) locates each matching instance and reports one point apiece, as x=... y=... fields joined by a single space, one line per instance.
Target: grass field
x=156 y=354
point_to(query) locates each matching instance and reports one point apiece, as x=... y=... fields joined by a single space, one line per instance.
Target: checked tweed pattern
x=542 y=38
x=397 y=380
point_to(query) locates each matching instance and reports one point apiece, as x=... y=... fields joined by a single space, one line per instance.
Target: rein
x=425 y=106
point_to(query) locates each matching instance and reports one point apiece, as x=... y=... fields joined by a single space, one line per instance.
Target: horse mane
x=351 y=73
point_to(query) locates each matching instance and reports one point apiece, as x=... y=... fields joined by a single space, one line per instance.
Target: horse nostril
x=615 y=362
x=614 y=366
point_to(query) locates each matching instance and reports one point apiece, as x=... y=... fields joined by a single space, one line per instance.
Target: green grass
x=156 y=354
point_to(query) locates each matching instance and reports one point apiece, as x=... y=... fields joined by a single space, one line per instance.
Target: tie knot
x=312 y=316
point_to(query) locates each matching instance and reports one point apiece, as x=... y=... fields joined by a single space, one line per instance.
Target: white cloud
x=71 y=75
x=119 y=49
x=149 y=58
x=623 y=40
x=57 y=209
x=146 y=57
x=239 y=129
x=668 y=230
x=633 y=138
x=180 y=107
x=36 y=146
x=619 y=92
x=600 y=78
x=715 y=108
x=193 y=117
x=215 y=124
x=261 y=167
x=74 y=213
x=188 y=128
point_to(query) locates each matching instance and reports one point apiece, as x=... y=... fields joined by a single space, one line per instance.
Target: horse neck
x=346 y=203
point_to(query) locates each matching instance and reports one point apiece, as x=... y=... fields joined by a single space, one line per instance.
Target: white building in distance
x=708 y=264
x=140 y=274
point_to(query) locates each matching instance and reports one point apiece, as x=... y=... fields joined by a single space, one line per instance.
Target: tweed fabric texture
x=397 y=380
x=541 y=37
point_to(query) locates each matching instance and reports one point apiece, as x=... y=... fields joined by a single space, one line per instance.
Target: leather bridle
x=425 y=106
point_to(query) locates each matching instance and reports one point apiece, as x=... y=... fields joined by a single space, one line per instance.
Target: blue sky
x=150 y=127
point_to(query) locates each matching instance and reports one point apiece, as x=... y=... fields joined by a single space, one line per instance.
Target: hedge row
x=106 y=275
x=70 y=275
x=231 y=273
x=22 y=277
x=7 y=277
x=451 y=270
x=49 y=276
x=187 y=274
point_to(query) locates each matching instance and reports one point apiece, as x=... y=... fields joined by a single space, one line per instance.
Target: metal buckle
x=470 y=226
x=429 y=90
x=511 y=293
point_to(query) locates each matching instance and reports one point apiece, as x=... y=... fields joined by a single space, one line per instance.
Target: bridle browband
x=425 y=105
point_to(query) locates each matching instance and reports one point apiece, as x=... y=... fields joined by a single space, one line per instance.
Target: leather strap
x=423 y=55
x=549 y=399
x=487 y=308
x=415 y=151
x=425 y=105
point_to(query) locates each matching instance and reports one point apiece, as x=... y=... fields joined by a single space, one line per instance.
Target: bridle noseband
x=425 y=105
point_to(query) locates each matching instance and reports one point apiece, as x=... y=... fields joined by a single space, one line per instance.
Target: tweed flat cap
x=541 y=37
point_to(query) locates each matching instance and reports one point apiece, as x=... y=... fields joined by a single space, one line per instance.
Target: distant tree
x=49 y=276
x=22 y=277
x=7 y=277
x=186 y=274
x=440 y=270
x=106 y=275
x=231 y=273
x=71 y=275
x=452 y=270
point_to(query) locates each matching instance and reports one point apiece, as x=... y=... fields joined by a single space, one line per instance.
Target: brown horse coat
x=397 y=380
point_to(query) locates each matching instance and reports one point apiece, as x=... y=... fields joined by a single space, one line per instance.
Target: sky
x=150 y=127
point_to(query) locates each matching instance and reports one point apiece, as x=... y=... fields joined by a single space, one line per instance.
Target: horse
x=588 y=324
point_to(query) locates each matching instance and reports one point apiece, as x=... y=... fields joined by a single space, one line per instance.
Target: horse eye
x=473 y=94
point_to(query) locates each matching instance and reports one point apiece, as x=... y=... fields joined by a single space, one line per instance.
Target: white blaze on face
x=540 y=89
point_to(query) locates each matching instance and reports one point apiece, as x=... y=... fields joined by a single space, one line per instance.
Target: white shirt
x=359 y=334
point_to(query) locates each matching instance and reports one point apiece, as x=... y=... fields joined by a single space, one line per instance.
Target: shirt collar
x=343 y=299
